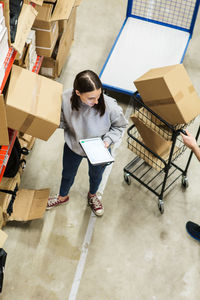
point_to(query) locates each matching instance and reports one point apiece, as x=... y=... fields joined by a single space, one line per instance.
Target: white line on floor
x=92 y=220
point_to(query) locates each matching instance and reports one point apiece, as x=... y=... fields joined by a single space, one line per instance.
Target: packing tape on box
x=165 y=101
x=27 y=123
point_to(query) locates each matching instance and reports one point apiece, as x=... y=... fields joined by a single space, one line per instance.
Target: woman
x=87 y=113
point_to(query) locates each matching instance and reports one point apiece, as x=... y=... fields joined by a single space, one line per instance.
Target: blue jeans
x=71 y=162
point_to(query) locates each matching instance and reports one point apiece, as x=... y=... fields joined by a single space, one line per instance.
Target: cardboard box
x=169 y=92
x=8 y=184
x=77 y=2
x=1 y=221
x=154 y=123
x=150 y=159
x=52 y=67
x=26 y=140
x=46 y=37
x=25 y=22
x=150 y=138
x=46 y=40
x=3 y=238
x=4 y=137
x=49 y=13
x=33 y=103
x=38 y=2
x=29 y=205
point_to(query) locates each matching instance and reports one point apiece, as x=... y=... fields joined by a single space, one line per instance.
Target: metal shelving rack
x=154 y=172
x=6 y=150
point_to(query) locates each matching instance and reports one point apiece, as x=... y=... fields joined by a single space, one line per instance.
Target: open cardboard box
x=33 y=103
x=4 y=137
x=52 y=67
x=169 y=92
x=25 y=21
x=28 y=204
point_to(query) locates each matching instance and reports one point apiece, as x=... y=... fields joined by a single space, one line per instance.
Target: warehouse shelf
x=8 y=64
x=38 y=64
x=6 y=150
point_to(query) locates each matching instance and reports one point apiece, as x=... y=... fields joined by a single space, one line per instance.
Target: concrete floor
x=132 y=252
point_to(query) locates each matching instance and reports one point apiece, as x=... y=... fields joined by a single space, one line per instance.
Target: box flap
x=3 y=238
x=62 y=10
x=77 y=2
x=29 y=205
x=44 y=13
x=65 y=41
x=38 y=2
x=25 y=22
x=4 y=137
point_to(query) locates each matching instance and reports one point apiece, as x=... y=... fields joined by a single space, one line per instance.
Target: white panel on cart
x=141 y=46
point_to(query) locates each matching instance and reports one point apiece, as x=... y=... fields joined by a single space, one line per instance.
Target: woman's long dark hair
x=87 y=81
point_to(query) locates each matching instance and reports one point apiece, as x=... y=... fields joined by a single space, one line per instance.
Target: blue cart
x=155 y=33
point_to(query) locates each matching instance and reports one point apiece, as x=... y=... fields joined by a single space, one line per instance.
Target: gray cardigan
x=87 y=123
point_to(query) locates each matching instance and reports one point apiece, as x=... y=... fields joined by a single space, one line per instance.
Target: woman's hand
x=106 y=144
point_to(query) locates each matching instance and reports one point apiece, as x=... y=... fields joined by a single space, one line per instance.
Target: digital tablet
x=96 y=151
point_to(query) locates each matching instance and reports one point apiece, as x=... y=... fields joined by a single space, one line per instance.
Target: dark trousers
x=71 y=162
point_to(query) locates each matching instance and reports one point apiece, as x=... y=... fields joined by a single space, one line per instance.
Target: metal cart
x=154 y=172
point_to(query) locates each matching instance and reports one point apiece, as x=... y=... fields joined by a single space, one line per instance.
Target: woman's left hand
x=106 y=144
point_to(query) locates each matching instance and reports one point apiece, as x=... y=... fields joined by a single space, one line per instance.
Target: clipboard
x=96 y=151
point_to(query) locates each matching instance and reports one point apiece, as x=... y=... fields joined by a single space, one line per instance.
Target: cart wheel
x=127 y=178
x=161 y=206
x=185 y=182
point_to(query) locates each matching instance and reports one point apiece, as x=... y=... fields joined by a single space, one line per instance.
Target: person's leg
x=71 y=162
x=193 y=229
x=94 y=201
x=95 y=175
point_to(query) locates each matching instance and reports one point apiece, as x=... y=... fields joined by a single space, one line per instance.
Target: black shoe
x=193 y=229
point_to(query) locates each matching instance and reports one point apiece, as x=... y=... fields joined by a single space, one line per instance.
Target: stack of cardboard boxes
x=54 y=26
x=30 y=104
x=169 y=92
